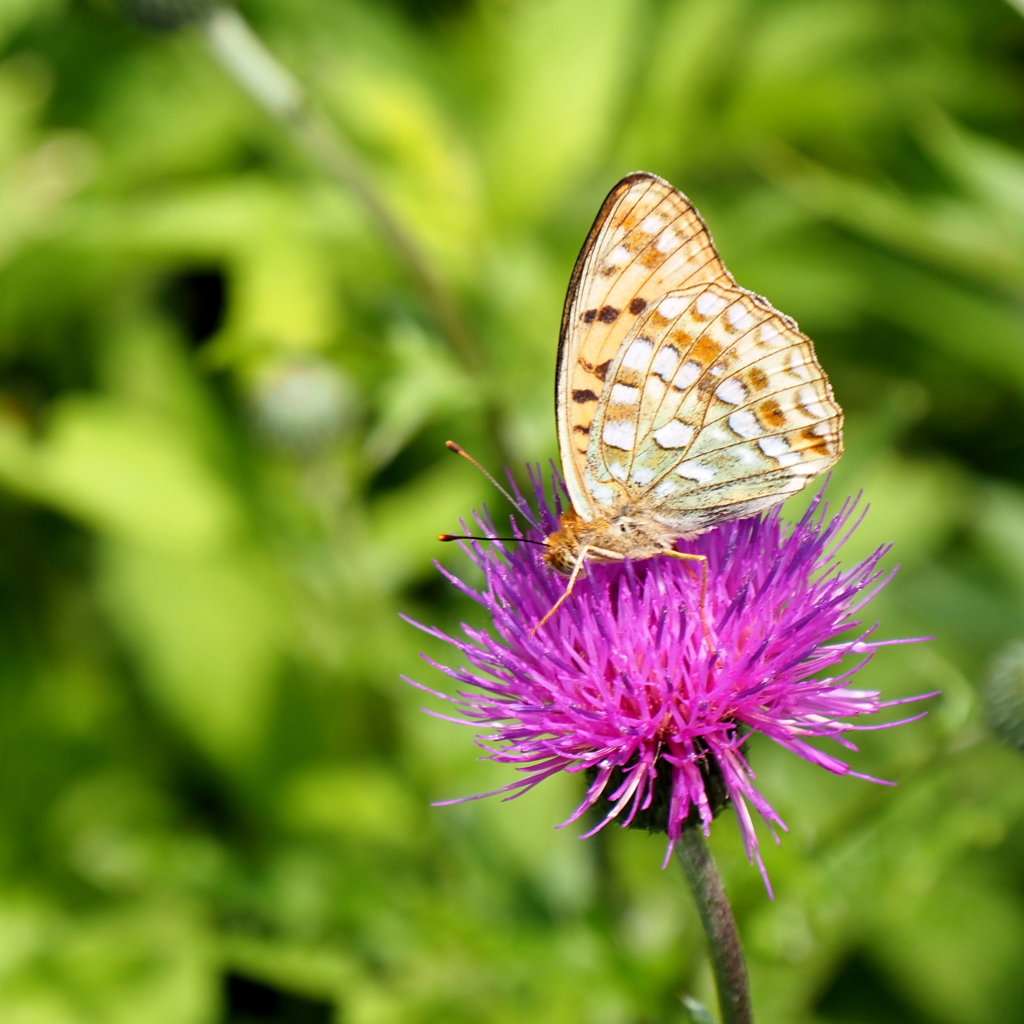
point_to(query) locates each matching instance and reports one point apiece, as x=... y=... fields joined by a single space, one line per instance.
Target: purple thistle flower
x=624 y=684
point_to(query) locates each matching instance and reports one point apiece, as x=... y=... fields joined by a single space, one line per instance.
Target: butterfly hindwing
x=647 y=241
x=714 y=407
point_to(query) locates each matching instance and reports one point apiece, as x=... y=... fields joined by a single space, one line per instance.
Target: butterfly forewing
x=704 y=403
x=647 y=240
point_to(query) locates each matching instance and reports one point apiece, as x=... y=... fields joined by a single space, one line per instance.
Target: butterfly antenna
x=517 y=503
x=508 y=540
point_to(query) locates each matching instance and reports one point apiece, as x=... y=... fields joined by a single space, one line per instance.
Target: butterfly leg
x=613 y=556
x=685 y=556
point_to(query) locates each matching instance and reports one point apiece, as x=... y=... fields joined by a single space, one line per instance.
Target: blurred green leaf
x=427 y=383
x=358 y=803
x=561 y=68
x=209 y=633
x=125 y=472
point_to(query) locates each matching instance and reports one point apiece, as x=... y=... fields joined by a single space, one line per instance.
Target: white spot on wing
x=731 y=391
x=744 y=423
x=652 y=223
x=687 y=374
x=654 y=391
x=770 y=335
x=716 y=435
x=694 y=470
x=777 y=448
x=808 y=398
x=667 y=241
x=797 y=365
x=773 y=447
x=601 y=493
x=619 y=255
x=665 y=488
x=665 y=362
x=638 y=355
x=710 y=304
x=674 y=434
x=619 y=434
x=617 y=470
x=623 y=394
x=643 y=475
x=672 y=307
x=739 y=317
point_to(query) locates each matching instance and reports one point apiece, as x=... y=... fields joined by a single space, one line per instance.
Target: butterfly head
x=562 y=548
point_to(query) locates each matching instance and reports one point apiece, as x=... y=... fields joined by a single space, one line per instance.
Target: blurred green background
x=223 y=400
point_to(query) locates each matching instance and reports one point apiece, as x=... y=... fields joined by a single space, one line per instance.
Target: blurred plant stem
x=719 y=925
x=242 y=53
x=244 y=56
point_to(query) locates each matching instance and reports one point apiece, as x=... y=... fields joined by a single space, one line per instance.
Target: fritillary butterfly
x=683 y=400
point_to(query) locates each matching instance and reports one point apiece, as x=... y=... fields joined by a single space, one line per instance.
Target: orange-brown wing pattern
x=647 y=241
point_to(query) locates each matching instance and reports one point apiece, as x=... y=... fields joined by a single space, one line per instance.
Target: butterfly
x=682 y=399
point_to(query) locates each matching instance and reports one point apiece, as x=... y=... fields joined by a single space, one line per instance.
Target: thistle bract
x=653 y=701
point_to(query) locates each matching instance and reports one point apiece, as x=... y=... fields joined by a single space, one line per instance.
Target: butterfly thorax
x=624 y=535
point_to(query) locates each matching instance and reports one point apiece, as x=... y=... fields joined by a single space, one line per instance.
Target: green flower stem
x=720 y=926
x=244 y=56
